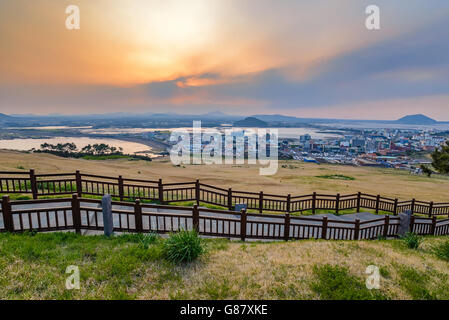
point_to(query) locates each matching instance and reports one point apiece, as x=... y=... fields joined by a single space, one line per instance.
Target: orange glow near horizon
x=135 y=42
x=196 y=52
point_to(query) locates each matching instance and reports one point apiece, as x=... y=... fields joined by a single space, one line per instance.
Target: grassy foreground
x=32 y=266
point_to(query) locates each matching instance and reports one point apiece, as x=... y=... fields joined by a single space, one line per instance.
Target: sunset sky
x=301 y=58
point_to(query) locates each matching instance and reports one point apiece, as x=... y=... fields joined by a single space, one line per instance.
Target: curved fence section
x=39 y=185
x=83 y=214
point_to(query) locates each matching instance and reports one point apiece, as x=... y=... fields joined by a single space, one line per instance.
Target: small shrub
x=184 y=246
x=441 y=250
x=412 y=240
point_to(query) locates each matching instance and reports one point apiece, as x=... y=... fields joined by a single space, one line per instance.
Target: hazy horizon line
x=205 y=114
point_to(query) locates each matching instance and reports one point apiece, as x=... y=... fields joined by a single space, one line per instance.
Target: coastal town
x=405 y=149
x=391 y=148
x=399 y=145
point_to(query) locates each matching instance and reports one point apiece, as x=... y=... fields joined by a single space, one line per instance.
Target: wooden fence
x=78 y=214
x=155 y=190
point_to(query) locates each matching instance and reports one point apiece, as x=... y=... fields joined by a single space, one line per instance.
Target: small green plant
x=384 y=272
x=441 y=250
x=148 y=239
x=183 y=246
x=412 y=240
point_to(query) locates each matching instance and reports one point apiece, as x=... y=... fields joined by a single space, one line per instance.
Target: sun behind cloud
x=270 y=56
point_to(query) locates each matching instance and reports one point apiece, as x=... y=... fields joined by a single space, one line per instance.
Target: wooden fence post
x=286 y=227
x=197 y=191
x=8 y=221
x=289 y=197
x=161 y=191
x=434 y=225
x=138 y=216
x=412 y=223
x=79 y=185
x=359 y=197
x=386 y=225
x=430 y=209
x=377 y=203
x=196 y=218
x=243 y=225
x=121 y=191
x=261 y=202
x=230 y=199
x=357 y=229
x=412 y=207
x=33 y=183
x=324 y=229
x=314 y=203
x=76 y=213
x=337 y=203
x=395 y=208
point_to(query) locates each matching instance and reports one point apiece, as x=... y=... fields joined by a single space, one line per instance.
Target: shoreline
x=155 y=147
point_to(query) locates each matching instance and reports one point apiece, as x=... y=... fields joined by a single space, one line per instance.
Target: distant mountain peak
x=416 y=119
x=250 y=122
x=215 y=113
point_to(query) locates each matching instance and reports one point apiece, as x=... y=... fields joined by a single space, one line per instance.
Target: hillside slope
x=292 y=177
x=33 y=267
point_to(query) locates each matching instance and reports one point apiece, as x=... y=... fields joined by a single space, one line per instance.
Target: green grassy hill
x=32 y=266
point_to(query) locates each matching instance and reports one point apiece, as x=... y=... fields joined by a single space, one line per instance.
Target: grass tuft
x=412 y=240
x=144 y=240
x=183 y=246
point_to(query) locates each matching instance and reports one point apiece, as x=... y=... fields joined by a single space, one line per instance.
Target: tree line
x=98 y=149
x=70 y=150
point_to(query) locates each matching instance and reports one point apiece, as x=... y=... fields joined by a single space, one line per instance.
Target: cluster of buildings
x=394 y=148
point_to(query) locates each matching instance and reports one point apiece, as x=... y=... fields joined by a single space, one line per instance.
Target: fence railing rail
x=79 y=214
x=38 y=185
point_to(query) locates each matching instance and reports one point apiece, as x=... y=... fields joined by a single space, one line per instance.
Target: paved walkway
x=253 y=221
x=213 y=226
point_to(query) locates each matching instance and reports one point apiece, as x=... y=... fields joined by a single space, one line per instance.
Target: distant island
x=250 y=122
x=416 y=119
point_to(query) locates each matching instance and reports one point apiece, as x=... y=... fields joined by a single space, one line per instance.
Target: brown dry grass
x=293 y=177
x=285 y=270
